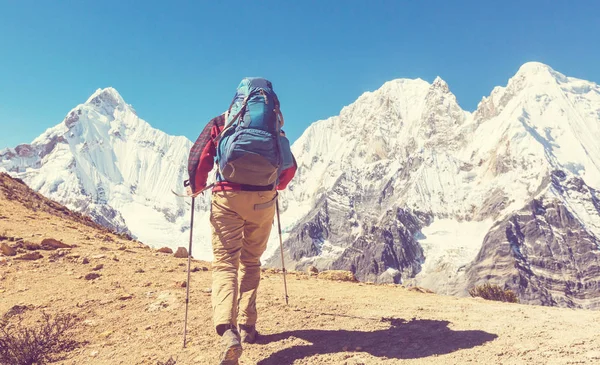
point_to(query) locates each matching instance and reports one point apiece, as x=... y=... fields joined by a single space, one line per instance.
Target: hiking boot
x=248 y=333
x=233 y=347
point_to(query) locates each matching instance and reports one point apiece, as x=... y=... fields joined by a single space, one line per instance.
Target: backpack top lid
x=250 y=85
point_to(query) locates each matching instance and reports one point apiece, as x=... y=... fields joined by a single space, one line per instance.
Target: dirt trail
x=133 y=313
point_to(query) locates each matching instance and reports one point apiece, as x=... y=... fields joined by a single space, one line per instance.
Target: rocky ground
x=130 y=302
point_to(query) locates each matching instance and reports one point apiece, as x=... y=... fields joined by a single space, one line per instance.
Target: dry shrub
x=171 y=361
x=494 y=292
x=337 y=275
x=43 y=341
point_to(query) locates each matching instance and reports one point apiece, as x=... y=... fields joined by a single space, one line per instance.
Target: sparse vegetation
x=494 y=292
x=42 y=341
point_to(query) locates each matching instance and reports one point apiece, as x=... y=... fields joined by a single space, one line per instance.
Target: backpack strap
x=280 y=116
x=242 y=109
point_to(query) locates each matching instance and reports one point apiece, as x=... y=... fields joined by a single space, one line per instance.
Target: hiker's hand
x=190 y=193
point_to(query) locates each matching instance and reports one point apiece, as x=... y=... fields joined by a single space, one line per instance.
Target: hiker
x=254 y=161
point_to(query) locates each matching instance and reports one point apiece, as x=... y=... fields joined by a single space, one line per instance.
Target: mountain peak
x=439 y=83
x=533 y=68
x=107 y=95
x=540 y=72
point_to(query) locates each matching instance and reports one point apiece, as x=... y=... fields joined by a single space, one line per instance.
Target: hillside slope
x=133 y=313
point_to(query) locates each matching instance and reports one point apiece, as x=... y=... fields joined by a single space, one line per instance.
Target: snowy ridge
x=402 y=186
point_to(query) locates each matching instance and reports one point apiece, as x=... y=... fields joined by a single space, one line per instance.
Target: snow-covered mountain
x=405 y=186
x=103 y=160
x=402 y=186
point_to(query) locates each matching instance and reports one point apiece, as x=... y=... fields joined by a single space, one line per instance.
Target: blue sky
x=178 y=62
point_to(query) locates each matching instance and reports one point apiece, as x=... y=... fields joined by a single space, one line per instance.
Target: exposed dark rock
x=335 y=236
x=544 y=254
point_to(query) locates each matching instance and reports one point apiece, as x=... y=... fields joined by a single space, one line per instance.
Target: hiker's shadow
x=402 y=340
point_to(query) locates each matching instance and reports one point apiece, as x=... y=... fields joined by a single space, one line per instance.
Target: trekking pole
x=187 y=295
x=281 y=249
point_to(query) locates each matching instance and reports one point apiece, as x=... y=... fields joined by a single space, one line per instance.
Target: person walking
x=254 y=161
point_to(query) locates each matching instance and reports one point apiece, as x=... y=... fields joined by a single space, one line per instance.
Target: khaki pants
x=241 y=224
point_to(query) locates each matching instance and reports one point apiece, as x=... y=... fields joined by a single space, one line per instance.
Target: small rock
x=312 y=270
x=207 y=290
x=106 y=334
x=85 y=261
x=195 y=269
x=148 y=328
x=126 y=297
x=122 y=248
x=92 y=276
x=98 y=267
x=97 y=257
x=147 y=285
x=31 y=246
x=89 y=323
x=52 y=244
x=94 y=353
x=3 y=261
x=139 y=271
x=181 y=284
x=115 y=258
x=181 y=253
x=6 y=250
x=165 y=250
x=204 y=268
x=30 y=256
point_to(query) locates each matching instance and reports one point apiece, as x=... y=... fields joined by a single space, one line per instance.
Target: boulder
x=52 y=244
x=92 y=276
x=181 y=253
x=6 y=250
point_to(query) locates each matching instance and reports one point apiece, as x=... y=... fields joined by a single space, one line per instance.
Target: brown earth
x=133 y=312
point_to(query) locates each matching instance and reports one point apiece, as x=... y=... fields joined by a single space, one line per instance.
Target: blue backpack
x=249 y=151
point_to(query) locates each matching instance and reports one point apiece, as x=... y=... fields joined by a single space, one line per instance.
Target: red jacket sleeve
x=286 y=176
x=206 y=160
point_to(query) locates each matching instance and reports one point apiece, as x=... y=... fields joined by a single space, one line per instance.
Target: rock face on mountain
x=543 y=252
x=403 y=186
